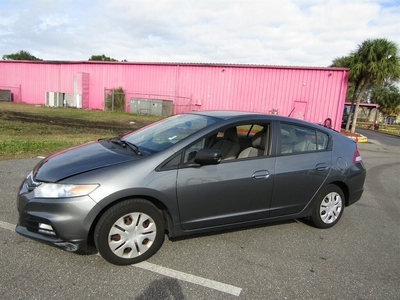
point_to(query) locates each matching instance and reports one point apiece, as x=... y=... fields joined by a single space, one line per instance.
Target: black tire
x=329 y=207
x=129 y=232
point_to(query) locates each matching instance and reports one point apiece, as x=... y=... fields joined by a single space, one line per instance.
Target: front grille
x=31 y=224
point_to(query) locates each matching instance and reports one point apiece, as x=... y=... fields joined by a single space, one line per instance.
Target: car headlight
x=55 y=190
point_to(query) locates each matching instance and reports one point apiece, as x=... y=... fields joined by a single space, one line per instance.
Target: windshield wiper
x=133 y=147
x=117 y=140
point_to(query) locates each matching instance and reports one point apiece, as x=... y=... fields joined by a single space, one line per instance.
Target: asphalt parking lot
x=357 y=259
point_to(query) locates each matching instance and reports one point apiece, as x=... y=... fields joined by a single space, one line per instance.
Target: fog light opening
x=46 y=229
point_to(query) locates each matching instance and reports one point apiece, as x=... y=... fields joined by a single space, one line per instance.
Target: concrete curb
x=359 y=139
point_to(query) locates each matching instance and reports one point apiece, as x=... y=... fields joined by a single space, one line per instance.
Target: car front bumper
x=65 y=223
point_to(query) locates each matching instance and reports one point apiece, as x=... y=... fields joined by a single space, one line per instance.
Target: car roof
x=230 y=114
x=225 y=114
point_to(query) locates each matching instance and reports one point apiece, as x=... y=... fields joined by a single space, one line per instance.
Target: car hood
x=77 y=160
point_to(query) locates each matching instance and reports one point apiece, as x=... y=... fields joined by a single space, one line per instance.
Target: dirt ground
x=115 y=126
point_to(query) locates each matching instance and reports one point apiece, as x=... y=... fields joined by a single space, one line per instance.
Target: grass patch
x=29 y=130
x=393 y=129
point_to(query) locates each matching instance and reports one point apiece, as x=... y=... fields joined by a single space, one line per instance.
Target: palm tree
x=374 y=62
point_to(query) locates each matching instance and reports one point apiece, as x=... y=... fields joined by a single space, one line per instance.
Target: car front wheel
x=329 y=207
x=129 y=232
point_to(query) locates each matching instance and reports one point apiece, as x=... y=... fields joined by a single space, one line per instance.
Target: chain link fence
x=114 y=99
x=117 y=99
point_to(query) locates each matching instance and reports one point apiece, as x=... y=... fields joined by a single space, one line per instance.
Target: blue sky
x=285 y=32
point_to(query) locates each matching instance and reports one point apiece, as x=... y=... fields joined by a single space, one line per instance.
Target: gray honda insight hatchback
x=186 y=174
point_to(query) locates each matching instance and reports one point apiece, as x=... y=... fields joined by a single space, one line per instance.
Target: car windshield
x=167 y=132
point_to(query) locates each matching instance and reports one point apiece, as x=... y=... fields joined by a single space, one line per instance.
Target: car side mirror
x=208 y=157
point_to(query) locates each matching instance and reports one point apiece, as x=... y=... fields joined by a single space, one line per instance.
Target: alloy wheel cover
x=132 y=235
x=330 y=208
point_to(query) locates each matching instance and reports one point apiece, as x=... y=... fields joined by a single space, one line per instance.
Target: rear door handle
x=321 y=167
x=259 y=175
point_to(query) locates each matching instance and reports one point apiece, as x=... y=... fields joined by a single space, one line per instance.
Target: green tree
x=374 y=62
x=388 y=98
x=21 y=55
x=345 y=62
x=101 y=58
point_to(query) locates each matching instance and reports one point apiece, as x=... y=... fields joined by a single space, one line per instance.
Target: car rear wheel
x=129 y=232
x=329 y=207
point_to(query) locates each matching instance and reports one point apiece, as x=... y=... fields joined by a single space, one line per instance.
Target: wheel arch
x=165 y=212
x=345 y=189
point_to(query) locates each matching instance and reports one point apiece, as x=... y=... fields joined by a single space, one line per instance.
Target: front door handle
x=321 y=167
x=259 y=175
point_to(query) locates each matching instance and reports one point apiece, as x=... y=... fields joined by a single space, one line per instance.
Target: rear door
x=302 y=166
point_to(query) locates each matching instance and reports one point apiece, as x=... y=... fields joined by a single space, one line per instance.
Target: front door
x=230 y=192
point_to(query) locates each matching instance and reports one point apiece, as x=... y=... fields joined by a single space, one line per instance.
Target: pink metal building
x=309 y=93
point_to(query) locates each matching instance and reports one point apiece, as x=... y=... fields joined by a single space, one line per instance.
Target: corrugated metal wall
x=318 y=93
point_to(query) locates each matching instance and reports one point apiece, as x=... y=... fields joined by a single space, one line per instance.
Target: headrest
x=258 y=140
x=230 y=134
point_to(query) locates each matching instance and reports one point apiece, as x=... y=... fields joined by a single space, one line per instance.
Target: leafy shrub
x=115 y=100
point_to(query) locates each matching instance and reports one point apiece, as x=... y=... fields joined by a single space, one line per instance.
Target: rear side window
x=298 y=139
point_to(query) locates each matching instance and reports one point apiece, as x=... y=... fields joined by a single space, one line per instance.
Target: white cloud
x=286 y=32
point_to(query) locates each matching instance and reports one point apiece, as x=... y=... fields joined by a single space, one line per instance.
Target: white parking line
x=6 y=225
x=215 y=285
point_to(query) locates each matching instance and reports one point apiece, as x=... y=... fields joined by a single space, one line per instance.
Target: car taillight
x=357 y=156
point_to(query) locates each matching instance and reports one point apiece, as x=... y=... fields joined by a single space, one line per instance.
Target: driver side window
x=236 y=142
x=192 y=150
